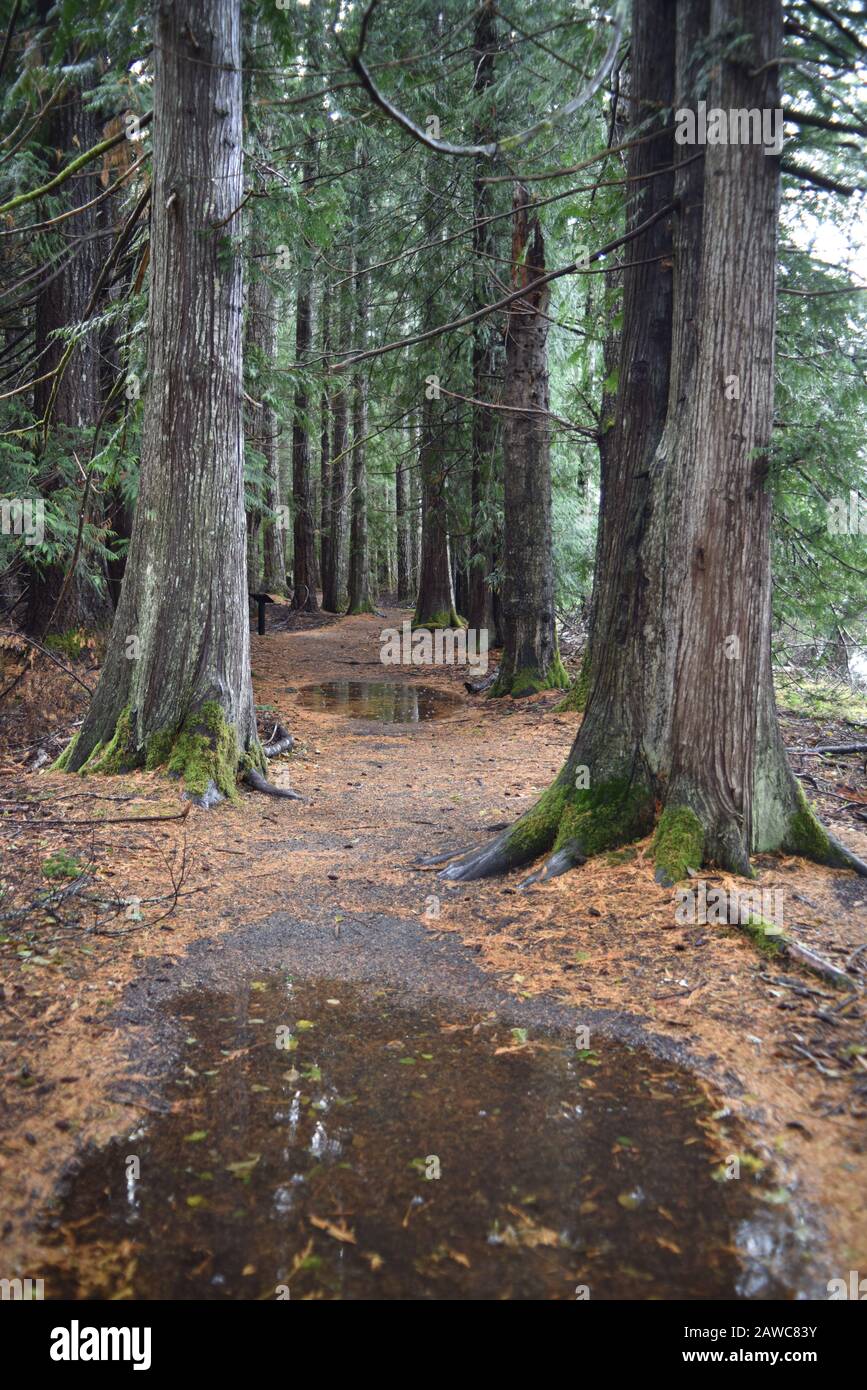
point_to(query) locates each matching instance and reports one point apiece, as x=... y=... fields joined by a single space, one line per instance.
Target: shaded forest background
x=354 y=236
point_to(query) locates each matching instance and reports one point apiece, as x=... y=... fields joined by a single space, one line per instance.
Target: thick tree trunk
x=74 y=402
x=175 y=686
x=680 y=711
x=530 y=660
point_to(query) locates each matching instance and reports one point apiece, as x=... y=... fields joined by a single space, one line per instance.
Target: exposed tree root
x=281 y=741
x=769 y=938
x=254 y=779
x=850 y=860
x=575 y=824
x=493 y=859
x=560 y=862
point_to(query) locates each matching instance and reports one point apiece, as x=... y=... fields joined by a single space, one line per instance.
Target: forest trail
x=329 y=890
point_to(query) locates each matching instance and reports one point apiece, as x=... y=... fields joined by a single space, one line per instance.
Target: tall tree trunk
x=265 y=557
x=414 y=521
x=74 y=402
x=405 y=593
x=435 y=604
x=680 y=709
x=530 y=660
x=304 y=593
x=175 y=686
x=479 y=607
x=359 y=557
x=333 y=581
x=273 y=554
x=325 y=427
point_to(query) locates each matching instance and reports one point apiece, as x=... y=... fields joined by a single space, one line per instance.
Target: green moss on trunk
x=61 y=764
x=447 y=618
x=575 y=699
x=534 y=833
x=119 y=754
x=604 y=817
x=807 y=836
x=529 y=680
x=615 y=813
x=205 y=751
x=678 y=844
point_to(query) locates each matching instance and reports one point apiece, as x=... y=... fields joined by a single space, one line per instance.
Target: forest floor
x=782 y=1052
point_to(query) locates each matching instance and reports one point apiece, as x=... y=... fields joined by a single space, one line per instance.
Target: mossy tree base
x=530 y=680
x=203 y=753
x=445 y=618
x=575 y=699
x=571 y=824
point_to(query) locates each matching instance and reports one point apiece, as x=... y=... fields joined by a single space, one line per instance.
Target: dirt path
x=332 y=881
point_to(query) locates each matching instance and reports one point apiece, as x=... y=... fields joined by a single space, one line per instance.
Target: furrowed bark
x=530 y=660
x=75 y=402
x=359 y=556
x=303 y=567
x=175 y=686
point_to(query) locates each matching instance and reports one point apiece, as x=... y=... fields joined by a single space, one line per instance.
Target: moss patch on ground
x=820 y=699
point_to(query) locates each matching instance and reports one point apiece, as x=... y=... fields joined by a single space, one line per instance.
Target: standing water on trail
x=388 y=702
x=333 y=1140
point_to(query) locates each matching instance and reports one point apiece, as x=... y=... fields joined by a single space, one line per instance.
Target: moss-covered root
x=521 y=843
x=573 y=823
x=678 y=844
x=530 y=680
x=807 y=836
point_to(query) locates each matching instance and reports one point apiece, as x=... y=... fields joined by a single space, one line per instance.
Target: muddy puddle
x=329 y=1140
x=386 y=702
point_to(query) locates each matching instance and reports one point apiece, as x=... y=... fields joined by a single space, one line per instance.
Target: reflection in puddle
x=387 y=702
x=328 y=1141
